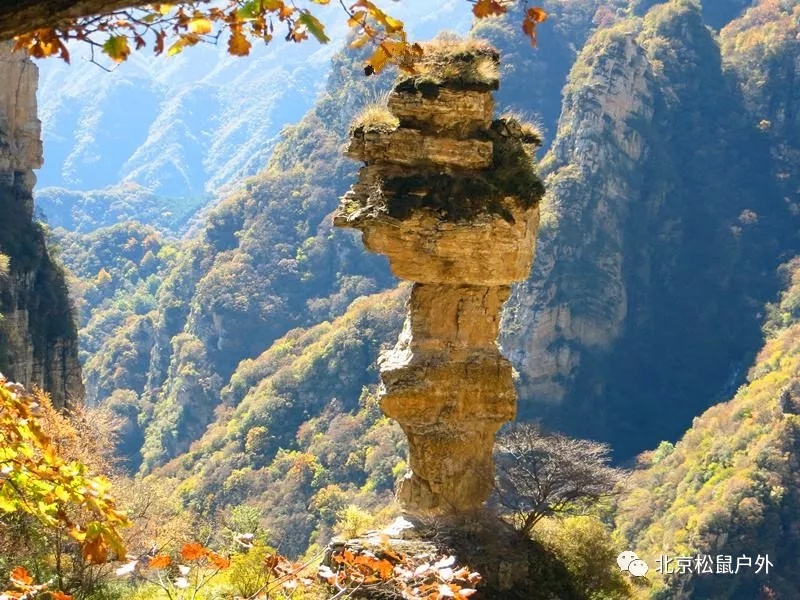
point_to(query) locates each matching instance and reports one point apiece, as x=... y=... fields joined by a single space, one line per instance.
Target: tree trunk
x=22 y=16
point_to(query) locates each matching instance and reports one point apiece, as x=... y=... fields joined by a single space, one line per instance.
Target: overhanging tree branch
x=21 y=16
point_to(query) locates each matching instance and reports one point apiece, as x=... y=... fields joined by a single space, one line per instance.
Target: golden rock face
x=451 y=198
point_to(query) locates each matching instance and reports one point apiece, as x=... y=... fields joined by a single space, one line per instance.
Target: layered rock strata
x=450 y=196
x=38 y=336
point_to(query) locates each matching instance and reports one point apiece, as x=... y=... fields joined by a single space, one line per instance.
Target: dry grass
x=5 y=265
x=375 y=116
x=530 y=130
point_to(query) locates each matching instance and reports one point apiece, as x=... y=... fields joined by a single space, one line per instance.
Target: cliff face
x=450 y=196
x=38 y=338
x=661 y=234
x=577 y=299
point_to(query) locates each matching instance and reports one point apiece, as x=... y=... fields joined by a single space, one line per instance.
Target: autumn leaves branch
x=118 y=32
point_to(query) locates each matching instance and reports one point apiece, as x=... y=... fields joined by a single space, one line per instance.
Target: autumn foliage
x=24 y=587
x=243 y=22
x=36 y=480
x=58 y=493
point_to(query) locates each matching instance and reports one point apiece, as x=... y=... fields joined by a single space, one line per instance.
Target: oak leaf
x=95 y=550
x=314 y=27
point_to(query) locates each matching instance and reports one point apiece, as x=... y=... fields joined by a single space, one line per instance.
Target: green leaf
x=117 y=48
x=248 y=10
x=314 y=27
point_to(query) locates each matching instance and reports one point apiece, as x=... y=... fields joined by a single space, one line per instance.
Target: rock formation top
x=20 y=128
x=450 y=195
x=447 y=193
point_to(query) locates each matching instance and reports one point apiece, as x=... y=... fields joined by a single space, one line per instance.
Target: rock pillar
x=450 y=196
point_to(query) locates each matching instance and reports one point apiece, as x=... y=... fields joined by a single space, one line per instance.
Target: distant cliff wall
x=38 y=337
x=662 y=229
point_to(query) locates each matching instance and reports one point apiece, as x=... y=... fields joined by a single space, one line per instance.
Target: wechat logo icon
x=628 y=561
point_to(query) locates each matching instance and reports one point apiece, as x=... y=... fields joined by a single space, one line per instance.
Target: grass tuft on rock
x=454 y=63
x=374 y=117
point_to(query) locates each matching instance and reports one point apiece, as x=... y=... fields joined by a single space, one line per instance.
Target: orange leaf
x=238 y=44
x=488 y=8
x=60 y=596
x=385 y=569
x=219 y=561
x=537 y=15
x=159 y=561
x=20 y=577
x=95 y=551
x=533 y=17
x=193 y=551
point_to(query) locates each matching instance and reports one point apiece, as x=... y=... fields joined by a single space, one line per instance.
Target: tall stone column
x=450 y=196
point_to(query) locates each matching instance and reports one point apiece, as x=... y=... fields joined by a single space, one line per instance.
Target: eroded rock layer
x=451 y=198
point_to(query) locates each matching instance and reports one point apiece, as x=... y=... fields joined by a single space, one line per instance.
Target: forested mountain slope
x=265 y=262
x=730 y=486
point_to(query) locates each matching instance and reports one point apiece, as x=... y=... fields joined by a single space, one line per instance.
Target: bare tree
x=539 y=474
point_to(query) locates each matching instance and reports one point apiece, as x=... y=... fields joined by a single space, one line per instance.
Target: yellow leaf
x=378 y=60
x=76 y=534
x=200 y=26
x=392 y=25
x=164 y=8
x=358 y=43
x=177 y=47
